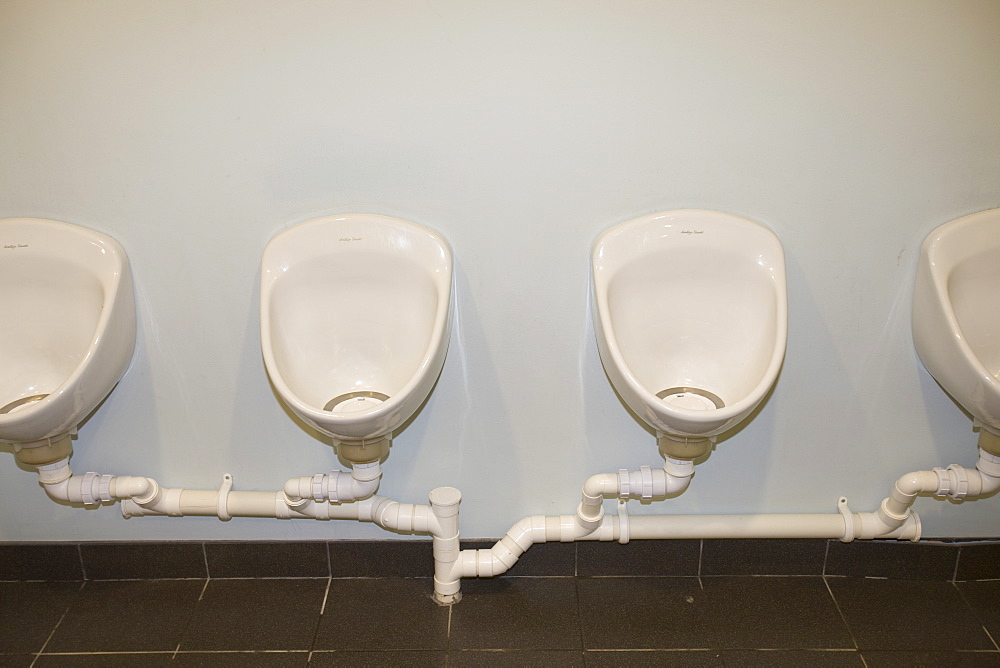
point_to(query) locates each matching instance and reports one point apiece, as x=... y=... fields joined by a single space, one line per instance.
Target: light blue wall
x=193 y=131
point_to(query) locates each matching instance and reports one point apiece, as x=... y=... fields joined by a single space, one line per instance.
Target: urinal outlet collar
x=364 y=452
x=989 y=441
x=681 y=447
x=41 y=453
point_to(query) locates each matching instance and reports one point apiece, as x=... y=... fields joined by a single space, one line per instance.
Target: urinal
x=690 y=313
x=355 y=321
x=956 y=315
x=68 y=329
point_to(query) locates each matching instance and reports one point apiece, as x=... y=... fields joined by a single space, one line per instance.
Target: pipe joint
x=56 y=472
x=989 y=469
x=952 y=481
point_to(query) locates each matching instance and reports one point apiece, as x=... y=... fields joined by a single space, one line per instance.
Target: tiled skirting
x=340 y=603
x=930 y=560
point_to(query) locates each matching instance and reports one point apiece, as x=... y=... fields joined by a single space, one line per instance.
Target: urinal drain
x=690 y=398
x=13 y=406
x=355 y=401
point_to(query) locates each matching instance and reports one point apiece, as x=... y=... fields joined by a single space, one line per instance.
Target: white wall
x=193 y=131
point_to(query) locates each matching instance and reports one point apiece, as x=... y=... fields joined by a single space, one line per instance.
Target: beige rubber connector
x=989 y=442
x=363 y=452
x=44 y=453
x=679 y=447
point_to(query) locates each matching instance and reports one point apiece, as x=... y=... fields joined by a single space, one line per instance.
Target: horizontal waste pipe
x=893 y=519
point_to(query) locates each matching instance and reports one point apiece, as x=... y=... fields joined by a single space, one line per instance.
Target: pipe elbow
x=598 y=486
x=139 y=488
x=915 y=482
x=298 y=489
x=679 y=473
x=989 y=470
x=58 y=491
x=362 y=489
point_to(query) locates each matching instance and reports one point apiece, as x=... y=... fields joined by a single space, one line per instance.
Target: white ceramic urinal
x=690 y=312
x=355 y=321
x=956 y=313
x=68 y=329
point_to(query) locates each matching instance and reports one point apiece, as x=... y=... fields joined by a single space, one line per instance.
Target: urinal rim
x=327 y=421
x=939 y=273
x=729 y=412
x=112 y=286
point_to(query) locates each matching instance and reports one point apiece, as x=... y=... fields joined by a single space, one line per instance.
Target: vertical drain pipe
x=447 y=582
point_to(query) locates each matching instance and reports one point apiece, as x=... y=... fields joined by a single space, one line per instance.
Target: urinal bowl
x=355 y=321
x=956 y=313
x=69 y=326
x=690 y=315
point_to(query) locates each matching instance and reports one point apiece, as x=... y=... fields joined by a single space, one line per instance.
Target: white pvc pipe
x=642 y=527
x=352 y=496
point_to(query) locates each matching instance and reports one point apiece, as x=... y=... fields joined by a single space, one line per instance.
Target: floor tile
x=47 y=561
x=416 y=658
x=381 y=559
x=256 y=615
x=984 y=599
x=629 y=658
x=402 y=614
x=516 y=613
x=763 y=557
x=639 y=557
x=127 y=616
x=267 y=560
x=891 y=559
x=728 y=613
x=907 y=614
x=30 y=610
x=16 y=660
x=904 y=659
x=103 y=660
x=556 y=658
x=979 y=562
x=143 y=561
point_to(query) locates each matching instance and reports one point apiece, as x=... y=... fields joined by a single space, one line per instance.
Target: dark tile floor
x=686 y=603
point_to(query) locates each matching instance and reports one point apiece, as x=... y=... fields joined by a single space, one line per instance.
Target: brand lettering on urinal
x=350 y=238
x=15 y=245
x=692 y=231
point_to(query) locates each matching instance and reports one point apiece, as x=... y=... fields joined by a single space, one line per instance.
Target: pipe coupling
x=952 y=481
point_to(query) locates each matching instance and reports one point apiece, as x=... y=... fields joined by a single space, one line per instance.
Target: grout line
x=54 y=628
x=83 y=566
x=843 y=618
x=190 y=621
x=203 y=589
x=958 y=559
x=204 y=556
x=826 y=557
x=326 y=595
x=447 y=632
x=975 y=614
x=701 y=550
x=319 y=619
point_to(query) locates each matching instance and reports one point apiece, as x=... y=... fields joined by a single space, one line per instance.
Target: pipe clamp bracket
x=845 y=511
x=222 y=506
x=622 y=522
